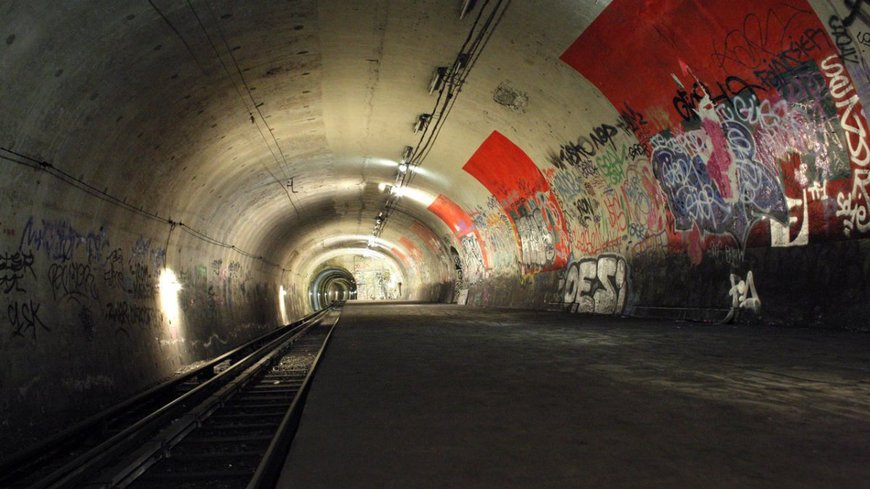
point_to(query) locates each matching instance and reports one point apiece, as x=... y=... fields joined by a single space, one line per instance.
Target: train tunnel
x=179 y=177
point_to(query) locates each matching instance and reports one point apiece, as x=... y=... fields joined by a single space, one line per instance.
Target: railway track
x=227 y=424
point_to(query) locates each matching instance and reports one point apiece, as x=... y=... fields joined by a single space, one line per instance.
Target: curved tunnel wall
x=731 y=181
x=701 y=160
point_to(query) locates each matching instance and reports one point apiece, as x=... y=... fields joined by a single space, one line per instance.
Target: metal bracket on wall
x=290 y=186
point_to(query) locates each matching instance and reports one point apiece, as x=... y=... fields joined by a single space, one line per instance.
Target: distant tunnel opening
x=330 y=285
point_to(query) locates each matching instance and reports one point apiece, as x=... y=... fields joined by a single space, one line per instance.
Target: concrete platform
x=425 y=396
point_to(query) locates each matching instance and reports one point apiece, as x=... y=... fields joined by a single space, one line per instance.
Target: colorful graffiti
x=525 y=197
x=713 y=178
x=761 y=119
x=462 y=226
x=741 y=44
x=608 y=213
x=498 y=233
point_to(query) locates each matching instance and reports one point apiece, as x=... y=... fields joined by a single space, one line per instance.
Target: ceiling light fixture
x=422 y=122
x=438 y=78
x=407 y=154
x=448 y=81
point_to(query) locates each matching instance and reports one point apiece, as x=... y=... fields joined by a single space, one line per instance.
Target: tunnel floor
x=430 y=396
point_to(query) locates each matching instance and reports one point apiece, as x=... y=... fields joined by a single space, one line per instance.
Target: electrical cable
x=466 y=73
x=449 y=85
x=242 y=99
x=469 y=54
x=459 y=73
x=18 y=158
x=178 y=34
x=473 y=55
x=241 y=77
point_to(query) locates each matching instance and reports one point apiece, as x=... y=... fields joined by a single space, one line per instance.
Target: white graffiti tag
x=743 y=293
x=596 y=285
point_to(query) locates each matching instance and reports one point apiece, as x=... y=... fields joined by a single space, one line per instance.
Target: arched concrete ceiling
x=268 y=128
x=211 y=108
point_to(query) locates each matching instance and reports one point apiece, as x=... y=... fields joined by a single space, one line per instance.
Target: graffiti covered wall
x=102 y=309
x=738 y=137
x=752 y=122
x=524 y=196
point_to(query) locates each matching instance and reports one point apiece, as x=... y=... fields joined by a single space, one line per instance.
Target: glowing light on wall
x=419 y=170
x=282 y=294
x=371 y=241
x=169 y=288
x=429 y=175
x=352 y=251
x=414 y=194
x=382 y=162
x=363 y=238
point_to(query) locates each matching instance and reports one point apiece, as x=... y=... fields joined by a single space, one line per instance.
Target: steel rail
x=161 y=446
x=269 y=470
x=93 y=459
x=39 y=454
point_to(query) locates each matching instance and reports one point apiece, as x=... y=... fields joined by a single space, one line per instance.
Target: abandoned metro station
x=434 y=243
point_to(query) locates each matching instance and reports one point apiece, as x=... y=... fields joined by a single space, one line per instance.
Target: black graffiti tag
x=686 y=102
x=126 y=314
x=73 y=281
x=854 y=7
x=843 y=40
x=12 y=270
x=140 y=277
x=24 y=318
x=773 y=73
x=114 y=270
x=576 y=153
x=630 y=120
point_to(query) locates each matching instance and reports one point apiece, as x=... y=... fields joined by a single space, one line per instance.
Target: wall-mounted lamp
x=460 y=63
x=422 y=122
x=407 y=153
x=438 y=78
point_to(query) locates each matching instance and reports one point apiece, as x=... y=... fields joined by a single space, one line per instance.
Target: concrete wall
x=98 y=305
x=730 y=177
x=687 y=159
